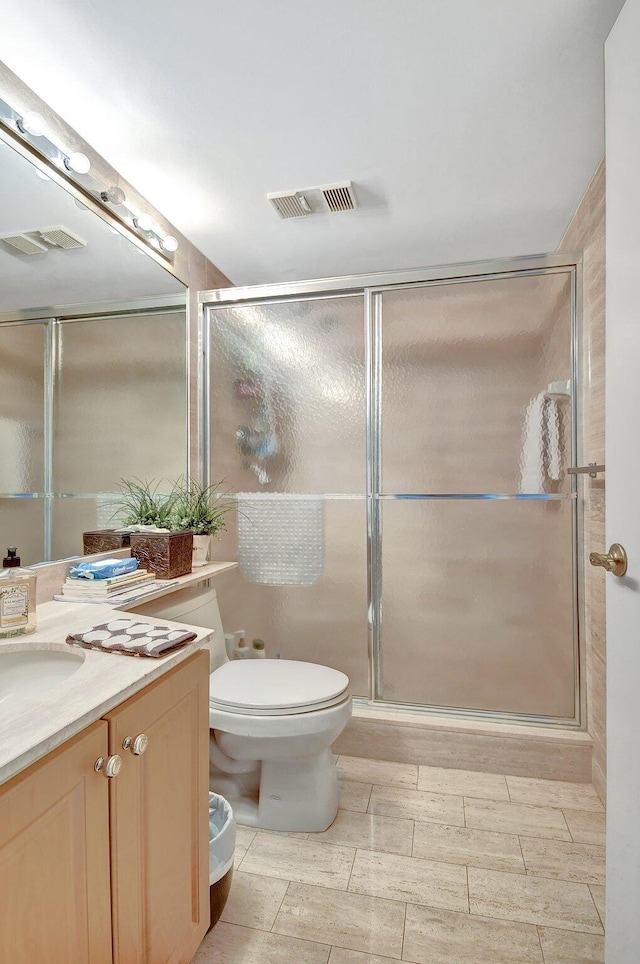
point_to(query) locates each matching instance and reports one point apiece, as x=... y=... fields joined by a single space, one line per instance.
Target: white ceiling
x=471 y=128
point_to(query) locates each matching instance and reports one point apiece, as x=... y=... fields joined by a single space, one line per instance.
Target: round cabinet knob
x=137 y=745
x=140 y=744
x=113 y=766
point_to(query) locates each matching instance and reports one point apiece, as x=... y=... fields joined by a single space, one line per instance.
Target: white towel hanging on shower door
x=541 y=460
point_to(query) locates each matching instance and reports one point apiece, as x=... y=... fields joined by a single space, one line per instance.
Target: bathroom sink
x=27 y=673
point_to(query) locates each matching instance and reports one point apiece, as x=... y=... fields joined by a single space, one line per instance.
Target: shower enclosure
x=398 y=445
x=87 y=401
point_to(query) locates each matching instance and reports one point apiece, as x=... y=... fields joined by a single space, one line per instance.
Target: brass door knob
x=615 y=560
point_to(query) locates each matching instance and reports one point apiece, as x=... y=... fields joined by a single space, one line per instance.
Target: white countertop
x=32 y=727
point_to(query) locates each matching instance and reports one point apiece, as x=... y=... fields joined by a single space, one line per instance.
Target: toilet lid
x=259 y=686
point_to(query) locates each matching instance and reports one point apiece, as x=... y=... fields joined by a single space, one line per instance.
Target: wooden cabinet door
x=159 y=819
x=55 y=901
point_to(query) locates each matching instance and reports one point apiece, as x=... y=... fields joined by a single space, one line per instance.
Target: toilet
x=272 y=723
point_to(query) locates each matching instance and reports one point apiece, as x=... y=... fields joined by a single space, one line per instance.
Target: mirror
x=93 y=364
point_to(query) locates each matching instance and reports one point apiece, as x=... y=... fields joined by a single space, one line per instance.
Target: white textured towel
x=541 y=462
x=280 y=538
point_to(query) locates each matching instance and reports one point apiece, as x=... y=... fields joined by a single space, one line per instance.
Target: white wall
x=622 y=51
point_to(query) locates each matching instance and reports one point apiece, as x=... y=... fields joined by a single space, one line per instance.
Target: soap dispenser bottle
x=17 y=597
x=241 y=650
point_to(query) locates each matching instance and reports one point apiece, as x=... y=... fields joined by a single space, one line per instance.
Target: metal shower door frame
x=372 y=287
x=376 y=495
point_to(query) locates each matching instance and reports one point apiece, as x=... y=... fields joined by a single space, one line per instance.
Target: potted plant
x=155 y=541
x=201 y=510
x=142 y=504
x=139 y=503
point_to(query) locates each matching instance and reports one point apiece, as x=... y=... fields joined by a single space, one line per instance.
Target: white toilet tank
x=197 y=606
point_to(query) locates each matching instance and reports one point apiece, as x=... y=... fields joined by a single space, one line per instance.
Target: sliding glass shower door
x=474 y=513
x=399 y=452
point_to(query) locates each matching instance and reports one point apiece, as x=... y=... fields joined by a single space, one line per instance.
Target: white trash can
x=222 y=845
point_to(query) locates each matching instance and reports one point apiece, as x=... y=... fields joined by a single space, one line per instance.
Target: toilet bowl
x=272 y=723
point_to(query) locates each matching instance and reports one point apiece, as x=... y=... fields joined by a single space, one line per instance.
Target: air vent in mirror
x=24 y=243
x=61 y=237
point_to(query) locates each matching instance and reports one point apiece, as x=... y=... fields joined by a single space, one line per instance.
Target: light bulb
x=113 y=194
x=31 y=123
x=42 y=175
x=78 y=162
x=170 y=243
x=143 y=221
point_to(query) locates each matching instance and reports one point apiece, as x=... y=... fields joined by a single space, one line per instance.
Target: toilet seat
x=276 y=687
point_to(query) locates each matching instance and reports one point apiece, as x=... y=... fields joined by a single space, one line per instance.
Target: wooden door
x=159 y=819
x=55 y=902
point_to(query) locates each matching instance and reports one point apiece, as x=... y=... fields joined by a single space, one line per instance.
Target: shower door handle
x=615 y=560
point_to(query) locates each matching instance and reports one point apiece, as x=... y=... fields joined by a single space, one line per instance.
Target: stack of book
x=85 y=589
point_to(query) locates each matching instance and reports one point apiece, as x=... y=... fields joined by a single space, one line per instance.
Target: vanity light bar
x=30 y=126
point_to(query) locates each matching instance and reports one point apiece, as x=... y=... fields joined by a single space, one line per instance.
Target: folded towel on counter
x=131 y=638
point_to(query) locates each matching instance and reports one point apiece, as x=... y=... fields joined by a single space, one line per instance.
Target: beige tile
x=515 y=818
x=466 y=746
x=554 y=793
x=564 y=861
x=369 y=832
x=254 y=901
x=468 y=783
x=377 y=771
x=533 y=900
x=341 y=956
x=586 y=826
x=302 y=860
x=441 y=937
x=597 y=892
x=474 y=848
x=417 y=805
x=354 y=796
x=244 y=836
x=298 y=834
x=410 y=879
x=565 y=947
x=351 y=921
x=230 y=944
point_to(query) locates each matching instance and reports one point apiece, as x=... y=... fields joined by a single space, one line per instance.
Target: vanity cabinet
x=55 y=898
x=113 y=871
x=160 y=819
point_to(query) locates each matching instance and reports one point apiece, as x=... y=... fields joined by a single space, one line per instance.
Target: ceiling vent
x=314 y=200
x=290 y=204
x=61 y=237
x=339 y=197
x=24 y=243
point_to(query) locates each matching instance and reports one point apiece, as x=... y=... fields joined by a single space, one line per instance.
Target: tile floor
x=426 y=865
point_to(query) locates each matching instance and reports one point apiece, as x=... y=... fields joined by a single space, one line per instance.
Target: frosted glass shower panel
x=474 y=386
x=287 y=396
x=22 y=408
x=323 y=622
x=70 y=518
x=121 y=401
x=22 y=525
x=478 y=605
